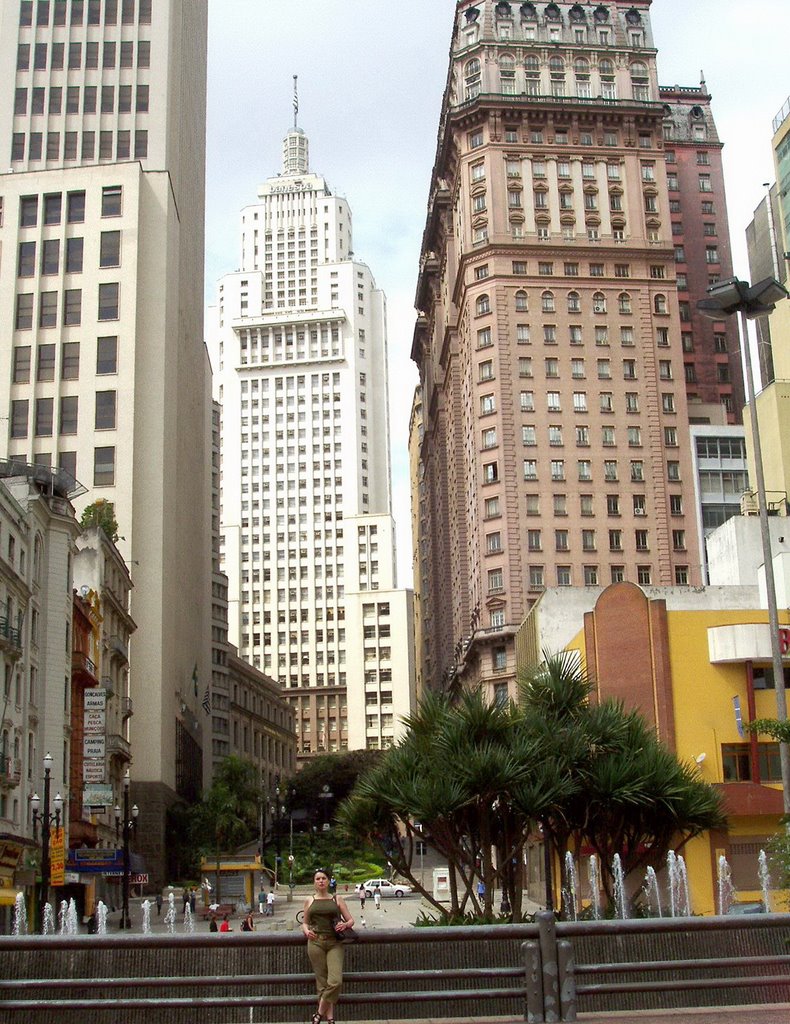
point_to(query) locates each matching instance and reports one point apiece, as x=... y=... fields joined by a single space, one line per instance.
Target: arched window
x=640 y=85
x=522 y=303
x=581 y=69
x=577 y=14
x=556 y=66
x=507 y=75
x=599 y=302
x=483 y=305
x=472 y=78
x=547 y=302
x=532 y=73
x=557 y=75
x=608 y=85
x=553 y=13
x=624 y=302
x=574 y=302
x=660 y=304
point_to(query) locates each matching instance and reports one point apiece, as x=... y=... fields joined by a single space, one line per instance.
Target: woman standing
x=325 y=918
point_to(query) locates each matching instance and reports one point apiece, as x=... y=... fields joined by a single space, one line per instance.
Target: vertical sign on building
x=57 y=857
x=94 y=735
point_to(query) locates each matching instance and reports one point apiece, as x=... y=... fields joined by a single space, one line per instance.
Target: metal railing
x=10 y=634
x=542 y=970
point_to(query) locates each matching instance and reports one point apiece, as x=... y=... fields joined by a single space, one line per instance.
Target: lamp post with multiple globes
x=125 y=824
x=46 y=820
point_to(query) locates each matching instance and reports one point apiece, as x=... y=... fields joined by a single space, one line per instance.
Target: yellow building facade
x=697 y=674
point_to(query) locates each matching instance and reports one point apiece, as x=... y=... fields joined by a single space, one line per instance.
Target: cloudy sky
x=371 y=77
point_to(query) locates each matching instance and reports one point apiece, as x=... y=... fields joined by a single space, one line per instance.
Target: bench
x=220 y=911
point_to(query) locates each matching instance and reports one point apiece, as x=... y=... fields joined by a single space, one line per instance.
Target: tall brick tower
x=554 y=448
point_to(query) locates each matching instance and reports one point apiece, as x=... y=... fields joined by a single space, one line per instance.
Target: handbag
x=347 y=935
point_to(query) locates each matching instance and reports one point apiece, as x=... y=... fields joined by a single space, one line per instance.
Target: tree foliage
x=101 y=513
x=227 y=816
x=477 y=780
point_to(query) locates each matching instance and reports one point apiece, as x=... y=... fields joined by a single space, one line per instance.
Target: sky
x=371 y=79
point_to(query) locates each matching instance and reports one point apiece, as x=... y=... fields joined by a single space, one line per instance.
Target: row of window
x=493 y=509
x=46 y=360
x=591 y=575
x=488 y=404
x=53 y=56
x=62 y=12
x=51 y=206
x=562 y=542
x=105 y=416
x=529 y=436
x=486 y=372
x=611 y=472
x=103 y=463
x=72 y=252
x=108 y=307
x=599 y=303
x=575 y=336
x=546 y=268
x=83 y=99
x=71 y=146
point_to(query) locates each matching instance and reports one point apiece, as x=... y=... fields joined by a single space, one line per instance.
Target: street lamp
x=124 y=825
x=291 y=798
x=750 y=301
x=46 y=820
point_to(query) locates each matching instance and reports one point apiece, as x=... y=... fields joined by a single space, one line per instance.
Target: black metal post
x=46 y=820
x=127 y=826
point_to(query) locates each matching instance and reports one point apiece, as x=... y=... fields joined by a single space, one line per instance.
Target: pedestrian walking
x=270 y=903
x=262 y=902
x=158 y=904
x=377 y=898
x=192 y=900
x=362 y=898
x=185 y=898
x=247 y=924
x=225 y=926
x=212 y=925
x=333 y=885
x=326 y=918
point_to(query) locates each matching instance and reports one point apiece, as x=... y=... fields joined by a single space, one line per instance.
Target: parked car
x=746 y=908
x=384 y=886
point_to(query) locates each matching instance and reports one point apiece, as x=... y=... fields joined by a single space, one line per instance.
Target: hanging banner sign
x=57 y=857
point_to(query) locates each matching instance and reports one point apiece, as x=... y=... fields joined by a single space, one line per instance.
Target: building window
x=107 y=355
x=44 y=409
x=108 y=301
x=105 y=410
x=111 y=205
x=19 y=415
x=103 y=467
x=69 y=414
x=110 y=249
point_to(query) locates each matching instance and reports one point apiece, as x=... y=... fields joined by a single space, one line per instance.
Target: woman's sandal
x=317 y=1018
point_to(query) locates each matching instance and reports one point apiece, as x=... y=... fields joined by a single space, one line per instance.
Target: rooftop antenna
x=296 y=100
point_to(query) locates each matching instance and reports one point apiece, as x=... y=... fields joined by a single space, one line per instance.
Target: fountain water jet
x=594 y=876
x=146 y=917
x=101 y=918
x=620 y=902
x=189 y=920
x=725 y=888
x=571 y=887
x=62 y=914
x=652 y=893
x=765 y=880
x=48 y=923
x=170 y=916
x=20 y=915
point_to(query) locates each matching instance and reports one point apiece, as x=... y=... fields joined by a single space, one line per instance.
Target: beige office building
x=103 y=372
x=555 y=449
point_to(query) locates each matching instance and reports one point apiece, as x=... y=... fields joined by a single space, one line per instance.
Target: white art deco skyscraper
x=300 y=360
x=103 y=370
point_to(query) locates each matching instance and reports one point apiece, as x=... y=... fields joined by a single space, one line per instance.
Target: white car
x=384 y=886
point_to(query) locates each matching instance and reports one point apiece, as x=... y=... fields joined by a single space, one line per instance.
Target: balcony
x=10 y=772
x=108 y=685
x=10 y=638
x=81 y=665
x=116 y=645
x=127 y=707
x=119 y=747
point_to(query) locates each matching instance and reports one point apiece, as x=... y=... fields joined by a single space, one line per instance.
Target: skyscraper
x=103 y=372
x=555 y=447
x=299 y=352
x=703 y=255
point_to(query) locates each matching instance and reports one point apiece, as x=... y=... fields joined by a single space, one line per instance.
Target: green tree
x=227 y=816
x=101 y=513
x=475 y=780
x=338 y=772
